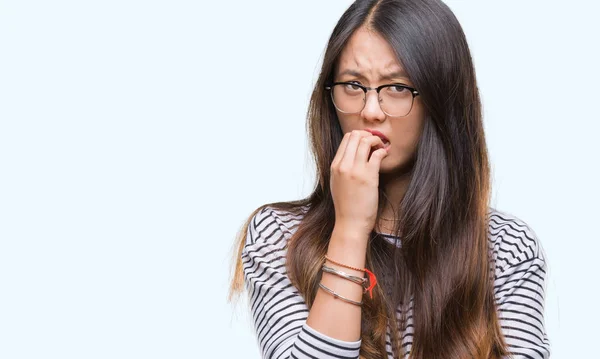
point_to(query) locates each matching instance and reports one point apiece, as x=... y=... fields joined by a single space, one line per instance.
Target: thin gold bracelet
x=336 y=296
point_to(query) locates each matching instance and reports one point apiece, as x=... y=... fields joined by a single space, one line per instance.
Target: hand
x=354 y=181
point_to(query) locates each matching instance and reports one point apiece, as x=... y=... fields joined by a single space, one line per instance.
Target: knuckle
x=345 y=170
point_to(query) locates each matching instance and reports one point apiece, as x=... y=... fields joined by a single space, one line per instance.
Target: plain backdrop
x=137 y=136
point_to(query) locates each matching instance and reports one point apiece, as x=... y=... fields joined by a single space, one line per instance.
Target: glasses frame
x=365 y=89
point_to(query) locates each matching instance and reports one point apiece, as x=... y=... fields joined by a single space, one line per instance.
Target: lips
x=385 y=140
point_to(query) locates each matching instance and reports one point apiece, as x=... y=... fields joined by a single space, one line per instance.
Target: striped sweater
x=279 y=312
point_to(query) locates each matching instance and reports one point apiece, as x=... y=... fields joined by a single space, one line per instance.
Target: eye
x=352 y=86
x=397 y=88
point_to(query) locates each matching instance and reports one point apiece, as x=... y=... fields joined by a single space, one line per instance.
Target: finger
x=341 y=149
x=353 y=142
x=367 y=144
x=377 y=156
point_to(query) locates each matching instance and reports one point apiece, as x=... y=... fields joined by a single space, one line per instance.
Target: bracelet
x=372 y=278
x=336 y=296
x=344 y=265
x=355 y=279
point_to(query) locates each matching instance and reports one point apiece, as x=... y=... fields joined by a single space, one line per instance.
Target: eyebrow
x=391 y=75
x=396 y=74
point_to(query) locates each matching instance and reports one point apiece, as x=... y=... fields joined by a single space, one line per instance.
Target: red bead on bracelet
x=372 y=278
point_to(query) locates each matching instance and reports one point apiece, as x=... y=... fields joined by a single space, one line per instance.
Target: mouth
x=386 y=142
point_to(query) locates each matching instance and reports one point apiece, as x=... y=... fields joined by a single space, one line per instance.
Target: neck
x=394 y=186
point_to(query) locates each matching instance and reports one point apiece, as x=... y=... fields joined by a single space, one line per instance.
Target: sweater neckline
x=390 y=238
x=386 y=235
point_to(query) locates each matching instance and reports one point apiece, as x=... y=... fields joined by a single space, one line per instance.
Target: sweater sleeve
x=278 y=310
x=519 y=289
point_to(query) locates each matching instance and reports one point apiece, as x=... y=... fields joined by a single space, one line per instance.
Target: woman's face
x=369 y=60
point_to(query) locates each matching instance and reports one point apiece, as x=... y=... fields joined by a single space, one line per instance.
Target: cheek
x=346 y=123
x=408 y=135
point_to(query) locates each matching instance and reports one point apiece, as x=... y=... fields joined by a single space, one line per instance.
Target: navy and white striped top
x=279 y=312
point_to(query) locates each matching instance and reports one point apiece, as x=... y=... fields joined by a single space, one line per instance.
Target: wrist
x=349 y=248
x=351 y=232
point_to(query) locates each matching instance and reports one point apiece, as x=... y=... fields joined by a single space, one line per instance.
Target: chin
x=400 y=167
x=389 y=167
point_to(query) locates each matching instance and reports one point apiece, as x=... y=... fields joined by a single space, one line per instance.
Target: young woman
x=396 y=253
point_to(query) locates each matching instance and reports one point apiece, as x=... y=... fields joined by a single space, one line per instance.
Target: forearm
x=335 y=317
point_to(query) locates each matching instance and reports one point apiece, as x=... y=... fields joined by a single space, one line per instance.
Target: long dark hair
x=443 y=267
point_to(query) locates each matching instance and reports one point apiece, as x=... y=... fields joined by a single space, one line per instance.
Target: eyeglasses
x=396 y=100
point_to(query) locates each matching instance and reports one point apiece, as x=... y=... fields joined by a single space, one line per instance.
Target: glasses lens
x=348 y=98
x=396 y=100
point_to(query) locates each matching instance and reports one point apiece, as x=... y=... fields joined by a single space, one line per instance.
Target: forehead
x=369 y=53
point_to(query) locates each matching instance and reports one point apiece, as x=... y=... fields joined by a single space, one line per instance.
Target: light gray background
x=136 y=136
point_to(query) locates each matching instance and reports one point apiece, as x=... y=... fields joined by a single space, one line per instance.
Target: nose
x=372 y=110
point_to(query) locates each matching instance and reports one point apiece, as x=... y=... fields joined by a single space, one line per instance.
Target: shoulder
x=269 y=225
x=264 y=252
x=512 y=240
